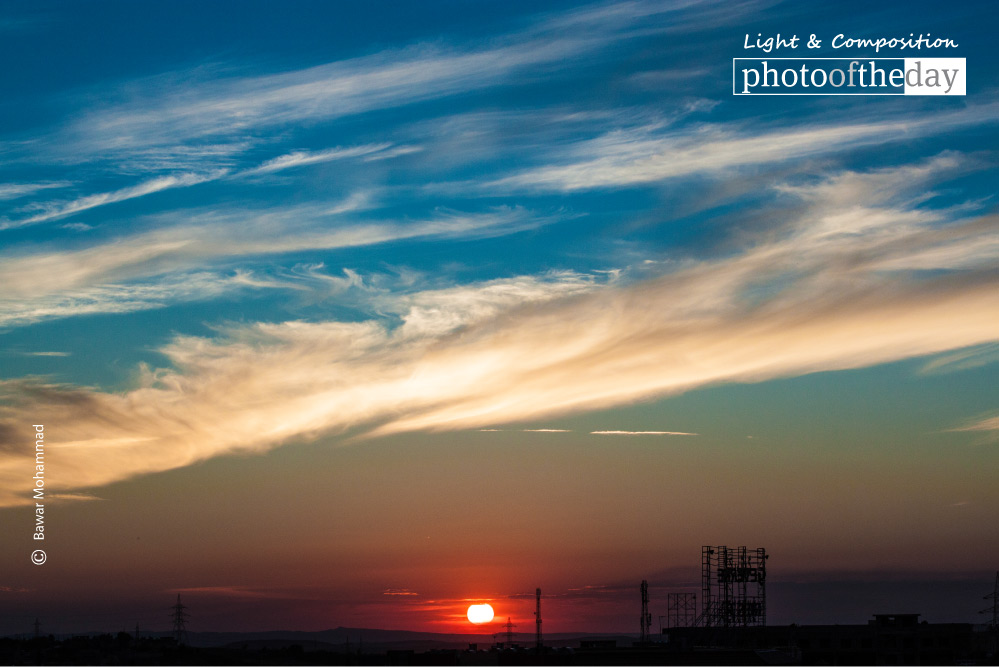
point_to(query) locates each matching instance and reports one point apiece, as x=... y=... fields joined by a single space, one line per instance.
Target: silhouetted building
x=887 y=639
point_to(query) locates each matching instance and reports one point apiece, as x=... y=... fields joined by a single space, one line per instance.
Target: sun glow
x=480 y=613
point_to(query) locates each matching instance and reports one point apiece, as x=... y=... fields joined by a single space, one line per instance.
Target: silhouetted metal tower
x=179 y=621
x=509 y=630
x=733 y=587
x=994 y=596
x=38 y=628
x=646 y=620
x=681 y=610
x=537 y=622
x=994 y=609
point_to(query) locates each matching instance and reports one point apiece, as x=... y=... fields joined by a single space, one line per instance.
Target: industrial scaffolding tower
x=681 y=610
x=733 y=587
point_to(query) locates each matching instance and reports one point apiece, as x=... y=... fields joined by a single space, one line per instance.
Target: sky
x=356 y=314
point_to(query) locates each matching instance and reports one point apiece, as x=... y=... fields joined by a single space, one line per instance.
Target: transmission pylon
x=179 y=622
x=994 y=610
x=537 y=613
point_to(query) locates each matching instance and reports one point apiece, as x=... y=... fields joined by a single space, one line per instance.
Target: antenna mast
x=646 y=620
x=537 y=613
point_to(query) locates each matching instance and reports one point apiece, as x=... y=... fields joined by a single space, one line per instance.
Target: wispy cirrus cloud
x=266 y=385
x=642 y=155
x=55 y=211
x=303 y=158
x=528 y=430
x=962 y=360
x=207 y=117
x=17 y=190
x=384 y=80
x=830 y=291
x=641 y=433
x=74 y=497
x=111 y=276
x=124 y=298
x=188 y=112
x=399 y=592
x=62 y=209
x=438 y=312
x=986 y=424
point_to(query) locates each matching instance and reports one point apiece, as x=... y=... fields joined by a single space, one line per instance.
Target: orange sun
x=480 y=613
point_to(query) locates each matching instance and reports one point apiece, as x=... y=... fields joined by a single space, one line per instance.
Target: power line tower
x=179 y=620
x=646 y=619
x=537 y=622
x=509 y=630
x=38 y=643
x=994 y=610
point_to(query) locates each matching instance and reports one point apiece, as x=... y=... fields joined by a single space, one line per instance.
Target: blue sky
x=224 y=230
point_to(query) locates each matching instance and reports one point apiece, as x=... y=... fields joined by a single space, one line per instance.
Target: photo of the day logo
x=849 y=76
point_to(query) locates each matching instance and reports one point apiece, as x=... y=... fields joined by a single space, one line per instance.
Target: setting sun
x=480 y=613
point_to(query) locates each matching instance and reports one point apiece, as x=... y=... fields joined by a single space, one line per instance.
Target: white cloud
x=182 y=121
x=237 y=106
x=986 y=424
x=54 y=211
x=101 y=278
x=646 y=155
x=73 y=497
x=302 y=158
x=62 y=209
x=437 y=312
x=962 y=360
x=811 y=296
x=641 y=433
x=16 y=190
x=122 y=298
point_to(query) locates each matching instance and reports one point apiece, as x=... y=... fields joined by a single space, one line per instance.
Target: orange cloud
x=834 y=290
